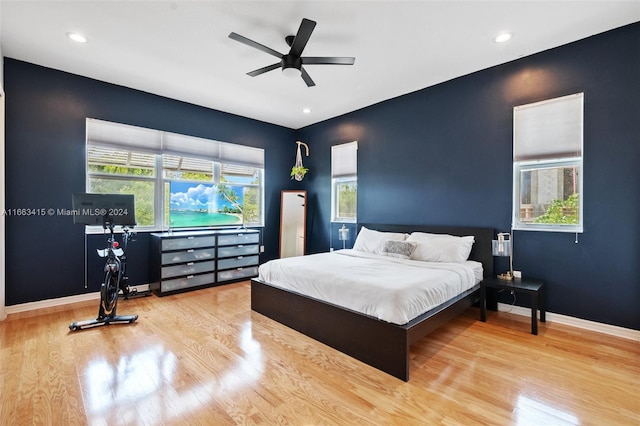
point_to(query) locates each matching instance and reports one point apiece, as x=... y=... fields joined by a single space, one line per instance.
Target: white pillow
x=441 y=247
x=371 y=241
x=399 y=249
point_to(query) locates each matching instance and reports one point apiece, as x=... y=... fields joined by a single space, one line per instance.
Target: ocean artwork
x=194 y=205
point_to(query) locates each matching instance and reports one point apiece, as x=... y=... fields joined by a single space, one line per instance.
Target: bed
x=379 y=341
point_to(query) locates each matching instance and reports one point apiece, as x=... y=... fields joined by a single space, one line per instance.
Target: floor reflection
x=534 y=412
x=131 y=379
x=152 y=386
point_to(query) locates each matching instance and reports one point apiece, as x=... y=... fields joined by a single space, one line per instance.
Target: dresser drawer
x=190 y=255
x=187 y=269
x=237 y=262
x=238 y=273
x=239 y=238
x=186 y=282
x=188 y=242
x=239 y=250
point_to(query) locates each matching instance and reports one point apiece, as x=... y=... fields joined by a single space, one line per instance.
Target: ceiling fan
x=292 y=63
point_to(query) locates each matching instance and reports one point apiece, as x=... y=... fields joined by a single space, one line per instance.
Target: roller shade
x=344 y=160
x=132 y=138
x=548 y=129
x=122 y=136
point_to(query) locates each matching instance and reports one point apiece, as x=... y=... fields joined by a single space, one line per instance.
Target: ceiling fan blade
x=302 y=37
x=314 y=60
x=255 y=44
x=307 y=79
x=264 y=69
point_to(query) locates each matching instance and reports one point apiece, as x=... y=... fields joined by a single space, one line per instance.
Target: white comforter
x=390 y=289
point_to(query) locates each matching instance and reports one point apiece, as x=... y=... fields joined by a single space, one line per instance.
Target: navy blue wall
x=45 y=164
x=443 y=155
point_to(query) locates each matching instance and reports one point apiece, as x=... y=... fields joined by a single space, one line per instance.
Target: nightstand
x=533 y=287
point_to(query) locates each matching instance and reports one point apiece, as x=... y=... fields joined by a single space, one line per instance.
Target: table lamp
x=343 y=235
x=502 y=247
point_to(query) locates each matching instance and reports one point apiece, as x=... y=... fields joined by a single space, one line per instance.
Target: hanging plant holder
x=298 y=171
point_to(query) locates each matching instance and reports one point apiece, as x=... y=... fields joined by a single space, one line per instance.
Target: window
x=144 y=162
x=117 y=171
x=547 y=165
x=344 y=182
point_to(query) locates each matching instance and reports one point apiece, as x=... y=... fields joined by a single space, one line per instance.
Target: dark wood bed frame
x=378 y=343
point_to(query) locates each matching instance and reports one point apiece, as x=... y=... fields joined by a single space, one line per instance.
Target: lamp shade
x=501 y=248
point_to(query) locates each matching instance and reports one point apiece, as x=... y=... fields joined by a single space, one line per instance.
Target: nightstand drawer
x=188 y=242
x=238 y=262
x=240 y=250
x=187 y=269
x=190 y=255
x=239 y=273
x=239 y=238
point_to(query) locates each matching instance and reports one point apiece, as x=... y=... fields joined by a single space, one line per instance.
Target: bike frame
x=115 y=280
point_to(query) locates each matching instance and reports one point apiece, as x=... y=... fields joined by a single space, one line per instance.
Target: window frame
x=335 y=201
x=344 y=169
x=536 y=152
x=521 y=166
x=159 y=178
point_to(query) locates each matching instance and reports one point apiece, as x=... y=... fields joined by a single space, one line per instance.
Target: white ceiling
x=181 y=49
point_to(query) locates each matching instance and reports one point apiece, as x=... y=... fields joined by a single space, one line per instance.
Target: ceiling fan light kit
x=291 y=63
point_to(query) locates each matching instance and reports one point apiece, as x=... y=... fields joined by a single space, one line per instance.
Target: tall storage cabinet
x=195 y=259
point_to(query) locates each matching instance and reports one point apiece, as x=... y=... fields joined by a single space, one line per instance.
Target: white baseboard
x=50 y=303
x=613 y=330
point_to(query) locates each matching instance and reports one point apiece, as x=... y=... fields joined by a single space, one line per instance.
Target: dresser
x=187 y=260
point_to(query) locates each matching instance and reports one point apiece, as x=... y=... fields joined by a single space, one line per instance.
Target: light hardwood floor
x=204 y=358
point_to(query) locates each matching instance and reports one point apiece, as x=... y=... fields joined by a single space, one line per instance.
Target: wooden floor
x=204 y=358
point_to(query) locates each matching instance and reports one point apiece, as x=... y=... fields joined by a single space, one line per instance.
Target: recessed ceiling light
x=502 y=37
x=306 y=110
x=78 y=38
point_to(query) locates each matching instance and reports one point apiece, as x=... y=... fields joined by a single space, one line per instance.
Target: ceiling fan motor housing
x=291 y=61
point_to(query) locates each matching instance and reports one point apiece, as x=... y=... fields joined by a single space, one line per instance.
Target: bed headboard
x=480 y=252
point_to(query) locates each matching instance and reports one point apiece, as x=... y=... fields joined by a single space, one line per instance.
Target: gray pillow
x=399 y=249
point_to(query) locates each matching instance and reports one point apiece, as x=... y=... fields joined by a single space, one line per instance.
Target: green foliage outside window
x=251 y=206
x=142 y=191
x=561 y=211
x=347 y=200
x=194 y=176
x=121 y=170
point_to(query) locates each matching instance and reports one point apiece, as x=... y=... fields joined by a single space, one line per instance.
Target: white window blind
x=190 y=146
x=344 y=160
x=241 y=155
x=116 y=135
x=104 y=156
x=548 y=129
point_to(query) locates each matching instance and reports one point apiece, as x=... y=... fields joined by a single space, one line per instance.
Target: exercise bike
x=115 y=281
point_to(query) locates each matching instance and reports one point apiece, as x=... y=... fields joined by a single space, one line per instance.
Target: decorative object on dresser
x=188 y=260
